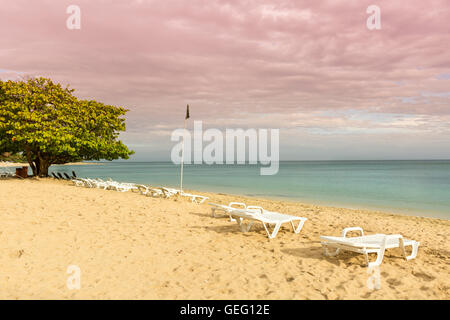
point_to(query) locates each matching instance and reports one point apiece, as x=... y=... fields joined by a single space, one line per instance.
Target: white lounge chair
x=121 y=187
x=97 y=183
x=255 y=213
x=376 y=243
x=226 y=209
x=142 y=189
x=158 y=192
x=149 y=191
x=169 y=192
x=195 y=198
x=7 y=174
x=79 y=182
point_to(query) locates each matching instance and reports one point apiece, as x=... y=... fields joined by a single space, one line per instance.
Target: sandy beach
x=129 y=246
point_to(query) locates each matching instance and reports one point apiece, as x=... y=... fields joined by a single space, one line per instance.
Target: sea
x=413 y=187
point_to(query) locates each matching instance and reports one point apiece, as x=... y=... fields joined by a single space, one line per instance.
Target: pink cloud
x=236 y=60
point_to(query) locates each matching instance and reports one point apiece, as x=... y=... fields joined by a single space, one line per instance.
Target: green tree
x=49 y=125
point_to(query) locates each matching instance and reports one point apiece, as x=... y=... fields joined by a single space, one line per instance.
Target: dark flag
x=187 y=112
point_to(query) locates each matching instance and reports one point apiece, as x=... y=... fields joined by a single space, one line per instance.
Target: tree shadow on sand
x=233 y=228
x=316 y=252
x=345 y=257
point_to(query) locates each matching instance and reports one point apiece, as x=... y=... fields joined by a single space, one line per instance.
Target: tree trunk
x=30 y=162
x=43 y=168
x=37 y=164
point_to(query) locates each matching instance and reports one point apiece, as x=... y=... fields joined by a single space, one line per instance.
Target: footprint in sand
x=424 y=276
x=394 y=282
x=17 y=254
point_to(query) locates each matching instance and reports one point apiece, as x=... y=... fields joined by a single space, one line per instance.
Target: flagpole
x=182 y=159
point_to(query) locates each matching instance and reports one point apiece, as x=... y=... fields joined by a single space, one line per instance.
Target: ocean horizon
x=412 y=187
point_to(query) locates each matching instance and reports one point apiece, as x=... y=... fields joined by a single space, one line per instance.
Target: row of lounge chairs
x=59 y=176
x=106 y=185
x=160 y=192
x=7 y=174
x=364 y=244
x=169 y=192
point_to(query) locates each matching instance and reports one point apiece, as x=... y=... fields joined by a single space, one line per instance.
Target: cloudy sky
x=335 y=89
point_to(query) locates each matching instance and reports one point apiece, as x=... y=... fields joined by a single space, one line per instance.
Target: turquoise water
x=412 y=187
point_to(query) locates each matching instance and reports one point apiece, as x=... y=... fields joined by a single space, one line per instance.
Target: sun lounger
x=7 y=174
x=121 y=187
x=376 y=243
x=156 y=192
x=195 y=198
x=79 y=182
x=169 y=192
x=67 y=176
x=142 y=189
x=55 y=176
x=258 y=214
x=226 y=209
x=148 y=191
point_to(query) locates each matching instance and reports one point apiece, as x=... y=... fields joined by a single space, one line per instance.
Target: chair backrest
x=67 y=176
x=55 y=176
x=60 y=175
x=74 y=174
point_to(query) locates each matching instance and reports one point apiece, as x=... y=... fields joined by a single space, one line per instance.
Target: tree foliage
x=50 y=125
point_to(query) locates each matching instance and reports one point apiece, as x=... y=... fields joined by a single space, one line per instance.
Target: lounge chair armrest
x=346 y=230
x=255 y=208
x=231 y=204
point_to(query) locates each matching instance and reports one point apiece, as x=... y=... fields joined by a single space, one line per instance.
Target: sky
x=312 y=69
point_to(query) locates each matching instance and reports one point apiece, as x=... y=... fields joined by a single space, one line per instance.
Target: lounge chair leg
x=380 y=254
x=366 y=256
x=274 y=232
x=376 y=263
x=327 y=253
x=244 y=228
x=414 y=249
x=213 y=211
x=299 y=227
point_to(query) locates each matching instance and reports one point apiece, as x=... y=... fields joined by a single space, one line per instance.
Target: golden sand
x=129 y=246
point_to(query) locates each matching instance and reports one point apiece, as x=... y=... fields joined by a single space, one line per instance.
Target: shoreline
x=323 y=204
x=387 y=212
x=129 y=246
